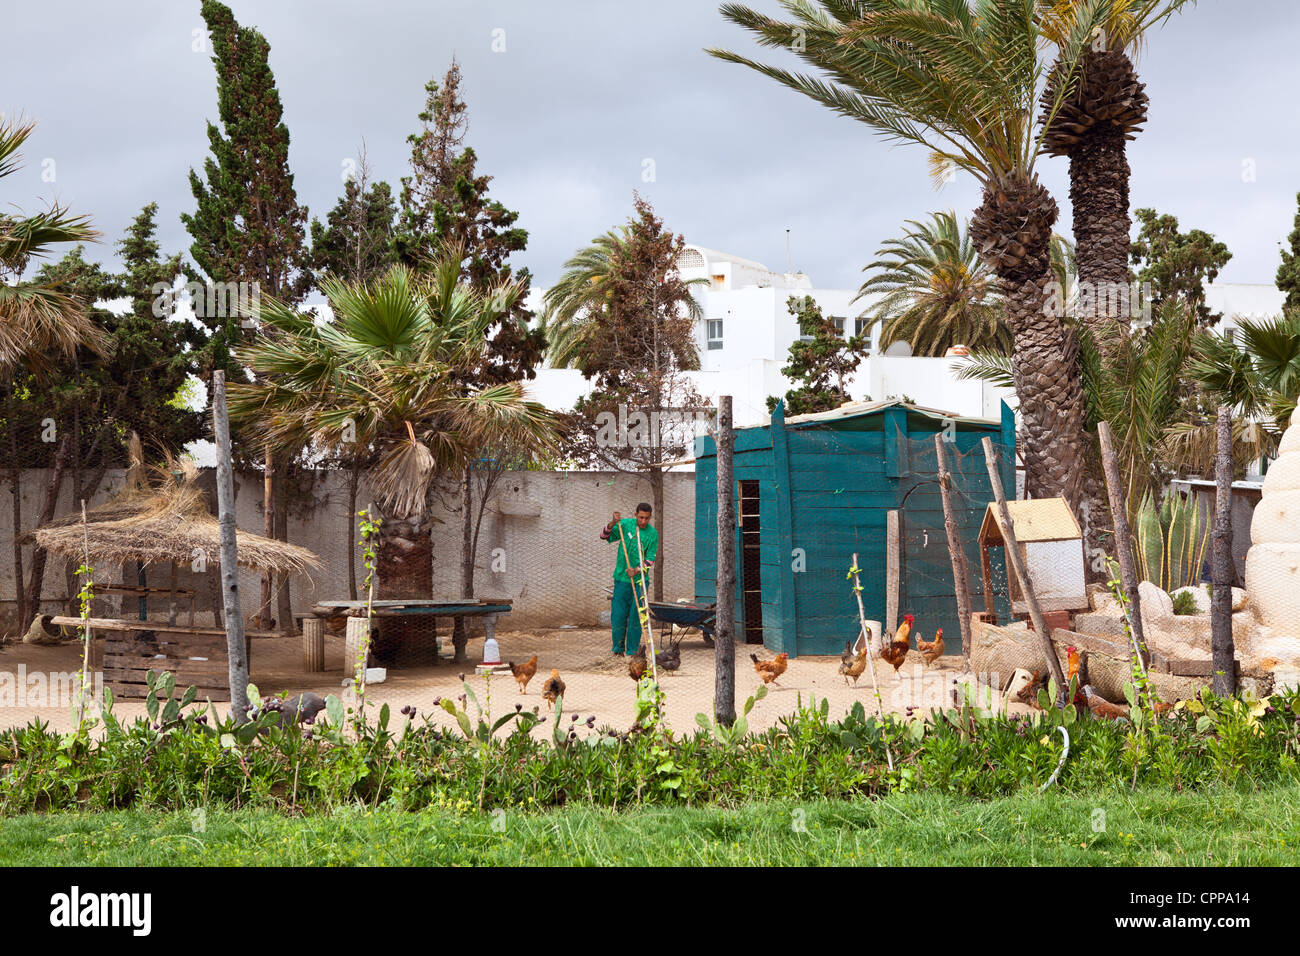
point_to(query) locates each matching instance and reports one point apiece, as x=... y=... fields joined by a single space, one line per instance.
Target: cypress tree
x=248 y=226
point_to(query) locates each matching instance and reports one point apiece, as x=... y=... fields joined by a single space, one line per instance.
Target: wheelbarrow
x=698 y=616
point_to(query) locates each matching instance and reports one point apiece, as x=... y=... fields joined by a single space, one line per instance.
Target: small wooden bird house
x=1051 y=544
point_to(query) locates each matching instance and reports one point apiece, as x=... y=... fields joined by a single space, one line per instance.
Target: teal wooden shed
x=813 y=489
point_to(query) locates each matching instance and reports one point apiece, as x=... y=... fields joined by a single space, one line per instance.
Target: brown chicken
x=523 y=673
x=931 y=651
x=1101 y=707
x=1029 y=693
x=670 y=658
x=553 y=688
x=770 y=670
x=851 y=664
x=638 y=663
x=895 y=652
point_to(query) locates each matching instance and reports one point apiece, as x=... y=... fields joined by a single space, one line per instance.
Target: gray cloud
x=585 y=91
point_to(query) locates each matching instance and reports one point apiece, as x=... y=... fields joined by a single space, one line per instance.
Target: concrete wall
x=538 y=545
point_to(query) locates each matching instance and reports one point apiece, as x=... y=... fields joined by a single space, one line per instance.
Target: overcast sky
x=585 y=93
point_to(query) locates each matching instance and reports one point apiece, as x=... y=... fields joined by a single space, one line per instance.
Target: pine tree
x=445 y=201
x=355 y=243
x=1288 y=273
x=248 y=226
x=1177 y=264
x=96 y=401
x=821 y=360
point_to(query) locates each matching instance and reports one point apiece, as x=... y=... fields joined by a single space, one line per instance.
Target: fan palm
x=1089 y=112
x=387 y=373
x=1260 y=381
x=961 y=79
x=37 y=321
x=936 y=291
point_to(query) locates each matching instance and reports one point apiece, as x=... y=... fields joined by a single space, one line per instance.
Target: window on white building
x=861 y=324
x=838 y=321
x=714 y=334
x=1230 y=334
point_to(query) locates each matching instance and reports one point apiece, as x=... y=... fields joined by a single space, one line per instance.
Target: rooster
x=770 y=670
x=851 y=664
x=895 y=652
x=931 y=651
x=553 y=688
x=523 y=673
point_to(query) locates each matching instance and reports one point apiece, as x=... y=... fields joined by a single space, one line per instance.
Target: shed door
x=750 y=573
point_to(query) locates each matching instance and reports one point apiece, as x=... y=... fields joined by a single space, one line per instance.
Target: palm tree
x=962 y=80
x=1259 y=381
x=1090 y=110
x=573 y=307
x=387 y=374
x=937 y=293
x=1134 y=381
x=38 y=322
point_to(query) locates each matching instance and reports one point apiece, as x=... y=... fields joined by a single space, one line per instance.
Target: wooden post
x=960 y=570
x=1222 y=651
x=891 y=574
x=1123 y=540
x=724 y=635
x=1017 y=562
x=869 y=648
x=236 y=648
x=313 y=644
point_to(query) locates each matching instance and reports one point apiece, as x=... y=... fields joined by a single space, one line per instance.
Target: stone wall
x=538 y=545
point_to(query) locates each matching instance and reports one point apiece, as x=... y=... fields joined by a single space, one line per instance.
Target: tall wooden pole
x=960 y=569
x=1123 y=539
x=235 y=650
x=1222 y=650
x=724 y=634
x=1017 y=563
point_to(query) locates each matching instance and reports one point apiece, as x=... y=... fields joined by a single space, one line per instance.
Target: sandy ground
x=597 y=682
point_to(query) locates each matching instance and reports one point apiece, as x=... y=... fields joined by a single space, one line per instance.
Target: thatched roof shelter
x=167 y=522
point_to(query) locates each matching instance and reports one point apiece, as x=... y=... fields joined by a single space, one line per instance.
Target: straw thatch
x=166 y=523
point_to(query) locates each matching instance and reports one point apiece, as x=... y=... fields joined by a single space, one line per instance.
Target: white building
x=747 y=329
x=745 y=336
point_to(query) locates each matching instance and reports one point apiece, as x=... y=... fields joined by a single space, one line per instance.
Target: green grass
x=1225 y=827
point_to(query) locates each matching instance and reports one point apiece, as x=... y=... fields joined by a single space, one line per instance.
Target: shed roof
x=859 y=409
x=1040 y=519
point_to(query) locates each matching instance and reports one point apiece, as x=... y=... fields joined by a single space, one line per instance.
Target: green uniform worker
x=624 y=619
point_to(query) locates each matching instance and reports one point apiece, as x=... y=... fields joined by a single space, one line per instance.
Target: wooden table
x=313 y=627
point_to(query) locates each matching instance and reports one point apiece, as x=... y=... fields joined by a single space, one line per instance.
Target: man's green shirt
x=649 y=546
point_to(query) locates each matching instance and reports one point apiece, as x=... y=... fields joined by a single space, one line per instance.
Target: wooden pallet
x=128 y=659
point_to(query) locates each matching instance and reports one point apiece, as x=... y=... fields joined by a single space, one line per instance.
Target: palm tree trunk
x=1048 y=384
x=268 y=529
x=39 y=555
x=1099 y=176
x=404 y=556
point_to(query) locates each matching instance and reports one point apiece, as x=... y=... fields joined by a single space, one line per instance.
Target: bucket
x=876 y=636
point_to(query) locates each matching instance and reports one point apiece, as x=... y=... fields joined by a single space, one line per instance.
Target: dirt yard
x=597 y=682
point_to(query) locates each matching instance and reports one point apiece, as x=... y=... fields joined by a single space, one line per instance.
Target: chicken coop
x=1051 y=543
x=811 y=490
